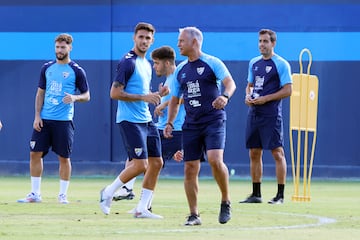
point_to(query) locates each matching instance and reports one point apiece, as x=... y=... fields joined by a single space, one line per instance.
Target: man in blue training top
x=199 y=80
x=54 y=111
x=269 y=81
x=164 y=65
x=140 y=135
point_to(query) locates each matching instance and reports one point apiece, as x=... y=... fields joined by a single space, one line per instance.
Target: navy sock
x=280 y=193
x=256 y=189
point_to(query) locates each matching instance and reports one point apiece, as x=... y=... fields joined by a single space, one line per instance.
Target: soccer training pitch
x=332 y=213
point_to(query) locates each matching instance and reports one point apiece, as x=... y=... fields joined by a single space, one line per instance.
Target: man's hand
x=168 y=131
x=248 y=100
x=69 y=98
x=38 y=124
x=220 y=102
x=258 y=101
x=159 y=110
x=153 y=98
x=178 y=156
x=163 y=90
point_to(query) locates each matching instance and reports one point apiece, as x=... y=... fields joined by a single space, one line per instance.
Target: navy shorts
x=59 y=135
x=198 y=138
x=264 y=132
x=141 y=140
x=170 y=146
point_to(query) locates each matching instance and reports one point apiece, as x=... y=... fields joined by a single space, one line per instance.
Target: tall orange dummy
x=303 y=120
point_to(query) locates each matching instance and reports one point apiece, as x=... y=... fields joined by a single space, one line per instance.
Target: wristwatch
x=225 y=94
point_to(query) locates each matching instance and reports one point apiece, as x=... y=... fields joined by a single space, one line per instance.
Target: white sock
x=145 y=198
x=130 y=184
x=64 y=186
x=36 y=185
x=110 y=189
x=150 y=202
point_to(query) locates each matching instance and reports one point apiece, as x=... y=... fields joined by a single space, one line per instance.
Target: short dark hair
x=144 y=26
x=64 y=37
x=164 y=53
x=270 y=32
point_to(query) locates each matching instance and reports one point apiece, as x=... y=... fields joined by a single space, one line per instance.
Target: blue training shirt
x=200 y=84
x=134 y=73
x=57 y=79
x=180 y=117
x=268 y=76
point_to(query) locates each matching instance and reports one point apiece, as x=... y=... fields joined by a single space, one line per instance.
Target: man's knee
x=192 y=168
x=156 y=162
x=278 y=154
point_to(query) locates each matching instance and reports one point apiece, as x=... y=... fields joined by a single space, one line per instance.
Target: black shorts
x=169 y=146
x=59 y=135
x=264 y=132
x=199 y=138
x=141 y=140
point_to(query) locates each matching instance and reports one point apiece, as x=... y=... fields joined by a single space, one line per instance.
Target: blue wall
x=103 y=30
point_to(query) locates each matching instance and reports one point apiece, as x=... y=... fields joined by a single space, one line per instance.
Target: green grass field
x=332 y=213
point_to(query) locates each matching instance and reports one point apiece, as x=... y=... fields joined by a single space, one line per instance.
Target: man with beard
x=131 y=89
x=62 y=83
x=164 y=66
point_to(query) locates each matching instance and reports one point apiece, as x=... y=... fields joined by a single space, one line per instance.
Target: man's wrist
x=226 y=95
x=170 y=124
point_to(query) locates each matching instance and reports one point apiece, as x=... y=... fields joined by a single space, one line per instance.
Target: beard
x=140 y=50
x=61 y=57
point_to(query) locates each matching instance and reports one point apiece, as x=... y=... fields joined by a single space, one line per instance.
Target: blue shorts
x=264 y=132
x=170 y=146
x=59 y=135
x=198 y=138
x=141 y=140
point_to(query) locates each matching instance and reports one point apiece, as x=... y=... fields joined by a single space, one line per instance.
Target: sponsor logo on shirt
x=195 y=103
x=193 y=89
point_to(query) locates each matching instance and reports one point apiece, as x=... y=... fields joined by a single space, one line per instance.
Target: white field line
x=320 y=221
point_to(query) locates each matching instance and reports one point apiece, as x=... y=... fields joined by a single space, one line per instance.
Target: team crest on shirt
x=200 y=70
x=138 y=151
x=268 y=69
x=32 y=144
x=65 y=74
